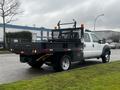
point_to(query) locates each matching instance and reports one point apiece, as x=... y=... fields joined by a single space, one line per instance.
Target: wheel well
x=105 y=49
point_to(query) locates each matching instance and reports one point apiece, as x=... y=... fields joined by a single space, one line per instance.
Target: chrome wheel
x=65 y=63
x=107 y=56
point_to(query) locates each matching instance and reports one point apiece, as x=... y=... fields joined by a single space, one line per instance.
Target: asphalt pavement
x=12 y=70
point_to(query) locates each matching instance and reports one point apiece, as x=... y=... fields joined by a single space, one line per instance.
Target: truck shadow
x=41 y=71
x=85 y=64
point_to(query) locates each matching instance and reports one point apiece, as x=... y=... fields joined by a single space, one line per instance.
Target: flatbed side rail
x=44 y=47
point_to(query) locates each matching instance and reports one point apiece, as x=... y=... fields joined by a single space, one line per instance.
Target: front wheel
x=106 y=57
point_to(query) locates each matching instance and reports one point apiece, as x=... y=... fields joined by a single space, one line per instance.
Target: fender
x=106 y=48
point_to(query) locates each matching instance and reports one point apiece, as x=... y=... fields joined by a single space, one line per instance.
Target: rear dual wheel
x=62 y=63
x=65 y=63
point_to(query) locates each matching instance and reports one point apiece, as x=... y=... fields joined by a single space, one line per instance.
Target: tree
x=8 y=9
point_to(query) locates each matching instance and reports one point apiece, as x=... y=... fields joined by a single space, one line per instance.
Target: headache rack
x=68 y=34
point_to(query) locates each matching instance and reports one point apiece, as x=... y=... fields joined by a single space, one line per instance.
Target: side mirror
x=100 y=41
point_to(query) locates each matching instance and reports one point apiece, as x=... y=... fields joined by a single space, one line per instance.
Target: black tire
x=62 y=64
x=106 y=57
x=35 y=64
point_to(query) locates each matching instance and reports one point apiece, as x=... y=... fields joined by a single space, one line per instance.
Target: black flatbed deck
x=45 y=47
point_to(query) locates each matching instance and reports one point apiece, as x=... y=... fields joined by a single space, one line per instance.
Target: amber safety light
x=82 y=25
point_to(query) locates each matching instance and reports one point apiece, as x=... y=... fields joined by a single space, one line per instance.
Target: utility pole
x=96 y=20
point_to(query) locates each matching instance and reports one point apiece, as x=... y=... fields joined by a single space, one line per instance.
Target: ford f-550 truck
x=67 y=45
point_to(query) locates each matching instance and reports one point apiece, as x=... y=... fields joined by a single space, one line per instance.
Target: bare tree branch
x=8 y=10
x=11 y=18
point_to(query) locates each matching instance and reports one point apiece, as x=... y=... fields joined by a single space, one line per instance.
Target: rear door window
x=86 y=37
x=95 y=38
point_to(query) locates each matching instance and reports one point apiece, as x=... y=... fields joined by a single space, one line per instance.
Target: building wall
x=106 y=34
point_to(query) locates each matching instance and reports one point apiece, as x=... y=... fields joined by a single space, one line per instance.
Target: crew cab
x=95 y=48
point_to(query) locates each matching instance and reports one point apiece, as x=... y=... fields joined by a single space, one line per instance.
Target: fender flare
x=106 y=48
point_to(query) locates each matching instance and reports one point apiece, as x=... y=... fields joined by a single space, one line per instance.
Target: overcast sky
x=47 y=13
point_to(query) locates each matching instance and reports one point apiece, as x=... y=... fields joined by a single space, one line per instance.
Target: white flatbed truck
x=67 y=45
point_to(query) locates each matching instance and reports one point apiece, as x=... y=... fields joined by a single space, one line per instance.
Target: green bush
x=20 y=36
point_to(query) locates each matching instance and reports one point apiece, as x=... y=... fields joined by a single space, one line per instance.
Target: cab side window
x=86 y=37
x=95 y=38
